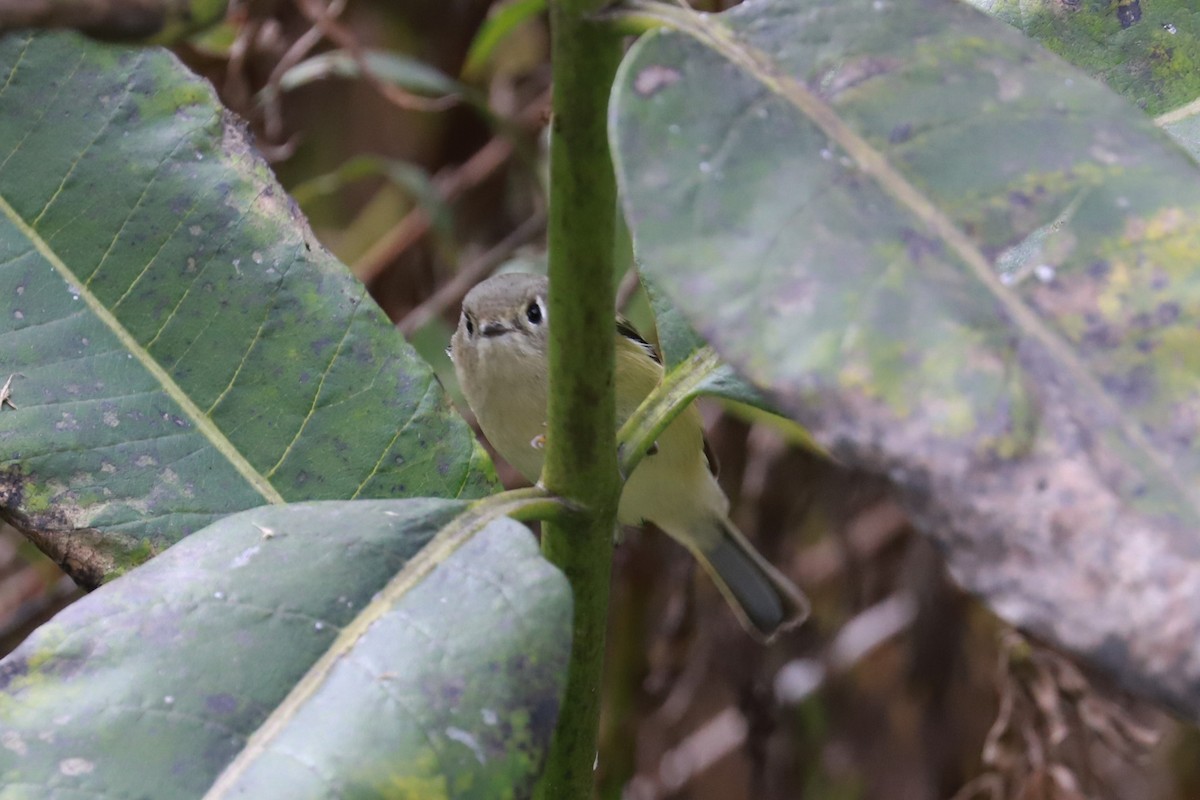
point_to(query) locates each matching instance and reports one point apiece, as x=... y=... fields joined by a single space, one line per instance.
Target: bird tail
x=764 y=601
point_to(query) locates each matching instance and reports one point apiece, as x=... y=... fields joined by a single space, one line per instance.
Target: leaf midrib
x=207 y=428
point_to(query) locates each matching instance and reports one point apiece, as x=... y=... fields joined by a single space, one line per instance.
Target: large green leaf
x=183 y=349
x=1147 y=50
x=962 y=263
x=446 y=684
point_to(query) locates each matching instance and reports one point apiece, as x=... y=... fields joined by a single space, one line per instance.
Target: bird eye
x=534 y=312
x=470 y=325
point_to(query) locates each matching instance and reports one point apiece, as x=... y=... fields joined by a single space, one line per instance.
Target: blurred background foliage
x=412 y=136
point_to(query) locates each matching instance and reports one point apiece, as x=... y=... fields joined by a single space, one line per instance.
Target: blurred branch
x=344 y=38
x=798 y=679
x=410 y=178
x=450 y=185
x=235 y=89
x=32 y=588
x=148 y=21
x=451 y=293
x=34 y=604
x=272 y=109
x=707 y=745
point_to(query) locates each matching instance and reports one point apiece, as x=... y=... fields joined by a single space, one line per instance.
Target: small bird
x=501 y=355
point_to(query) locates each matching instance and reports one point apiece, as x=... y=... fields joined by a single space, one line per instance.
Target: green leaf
x=679 y=341
x=959 y=262
x=503 y=19
x=182 y=348
x=690 y=374
x=411 y=178
x=1147 y=51
x=446 y=684
x=400 y=70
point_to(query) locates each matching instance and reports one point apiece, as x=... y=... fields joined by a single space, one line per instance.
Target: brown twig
x=32 y=603
x=449 y=185
x=236 y=91
x=271 y=93
x=344 y=38
x=728 y=729
x=452 y=292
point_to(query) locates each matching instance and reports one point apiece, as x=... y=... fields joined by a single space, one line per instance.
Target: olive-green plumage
x=500 y=352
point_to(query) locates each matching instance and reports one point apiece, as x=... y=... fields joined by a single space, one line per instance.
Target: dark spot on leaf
x=1128 y=12
x=1166 y=313
x=451 y=692
x=1101 y=335
x=11 y=668
x=220 y=704
x=1020 y=199
x=1133 y=387
x=900 y=133
x=919 y=246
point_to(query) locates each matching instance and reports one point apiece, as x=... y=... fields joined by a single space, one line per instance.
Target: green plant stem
x=581 y=452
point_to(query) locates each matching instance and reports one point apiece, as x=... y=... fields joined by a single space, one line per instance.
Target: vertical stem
x=581 y=430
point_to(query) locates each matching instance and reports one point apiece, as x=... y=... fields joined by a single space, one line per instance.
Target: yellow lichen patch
x=421 y=782
x=1112 y=299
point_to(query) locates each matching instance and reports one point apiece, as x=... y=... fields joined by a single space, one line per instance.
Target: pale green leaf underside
x=958 y=261
x=160 y=678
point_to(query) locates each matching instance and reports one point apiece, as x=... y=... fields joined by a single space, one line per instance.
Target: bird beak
x=494 y=329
